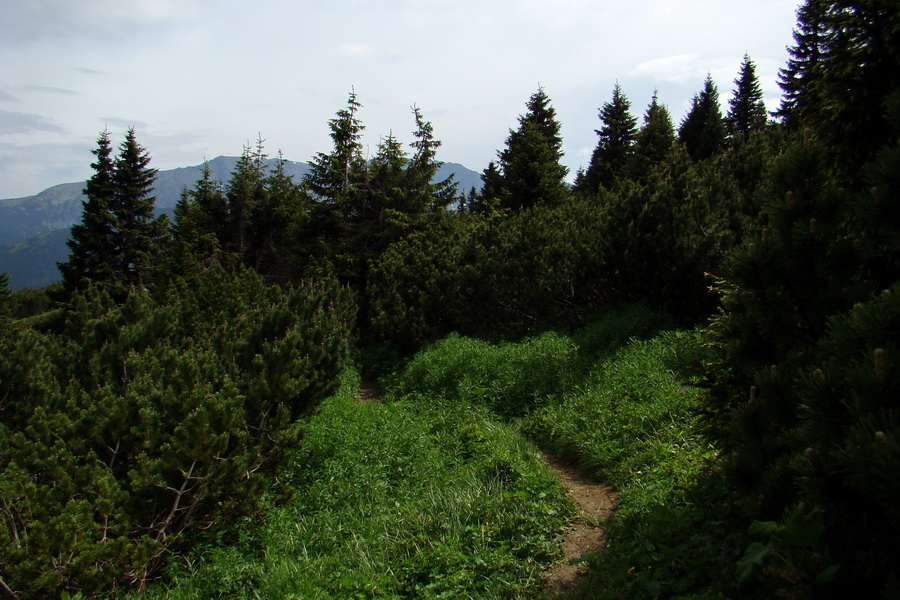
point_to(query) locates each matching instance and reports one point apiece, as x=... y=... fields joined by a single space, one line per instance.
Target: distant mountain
x=34 y=229
x=31 y=263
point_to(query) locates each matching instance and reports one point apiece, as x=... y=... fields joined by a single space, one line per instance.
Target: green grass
x=412 y=498
x=631 y=422
x=436 y=492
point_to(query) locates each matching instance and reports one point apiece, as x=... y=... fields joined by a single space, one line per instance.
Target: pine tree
x=747 y=111
x=488 y=197
x=335 y=177
x=139 y=232
x=616 y=145
x=244 y=191
x=92 y=245
x=423 y=167
x=654 y=140
x=703 y=131
x=119 y=239
x=530 y=163
x=798 y=78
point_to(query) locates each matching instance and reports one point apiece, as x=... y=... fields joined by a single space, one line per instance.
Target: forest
x=708 y=319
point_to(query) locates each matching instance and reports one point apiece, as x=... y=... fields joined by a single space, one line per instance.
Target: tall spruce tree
x=860 y=80
x=139 y=232
x=276 y=222
x=5 y=300
x=423 y=167
x=337 y=182
x=616 y=145
x=92 y=245
x=244 y=191
x=654 y=140
x=797 y=78
x=703 y=131
x=746 y=109
x=334 y=178
x=119 y=238
x=491 y=190
x=530 y=163
x=843 y=76
x=201 y=212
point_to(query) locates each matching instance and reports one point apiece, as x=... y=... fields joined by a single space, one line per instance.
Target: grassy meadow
x=438 y=489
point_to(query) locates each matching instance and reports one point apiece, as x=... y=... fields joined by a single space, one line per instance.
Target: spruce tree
x=616 y=145
x=276 y=224
x=337 y=183
x=139 y=232
x=703 y=131
x=244 y=191
x=843 y=73
x=119 y=239
x=92 y=245
x=488 y=198
x=334 y=178
x=201 y=214
x=426 y=193
x=860 y=80
x=6 y=301
x=654 y=140
x=797 y=78
x=530 y=163
x=747 y=111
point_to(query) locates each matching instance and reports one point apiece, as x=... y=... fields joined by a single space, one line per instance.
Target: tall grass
x=509 y=379
x=631 y=422
x=411 y=498
x=434 y=492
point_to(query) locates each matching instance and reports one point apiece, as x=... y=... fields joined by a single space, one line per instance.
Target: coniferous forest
x=708 y=319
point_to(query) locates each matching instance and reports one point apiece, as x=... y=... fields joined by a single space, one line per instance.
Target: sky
x=202 y=78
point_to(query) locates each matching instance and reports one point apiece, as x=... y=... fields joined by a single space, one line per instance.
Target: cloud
x=124 y=124
x=680 y=68
x=356 y=51
x=46 y=90
x=38 y=20
x=5 y=97
x=17 y=122
x=29 y=169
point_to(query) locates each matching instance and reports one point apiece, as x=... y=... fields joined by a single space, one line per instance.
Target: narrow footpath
x=595 y=501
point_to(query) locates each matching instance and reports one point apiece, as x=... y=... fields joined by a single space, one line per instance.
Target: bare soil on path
x=595 y=502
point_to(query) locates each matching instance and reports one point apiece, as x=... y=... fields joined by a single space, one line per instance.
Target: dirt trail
x=369 y=390
x=595 y=502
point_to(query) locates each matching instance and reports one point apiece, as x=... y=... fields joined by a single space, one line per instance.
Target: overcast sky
x=201 y=78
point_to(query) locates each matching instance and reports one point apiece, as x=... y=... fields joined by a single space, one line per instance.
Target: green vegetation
x=128 y=430
x=709 y=321
x=413 y=497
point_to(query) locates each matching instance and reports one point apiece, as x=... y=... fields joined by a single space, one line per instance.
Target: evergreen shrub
x=129 y=429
